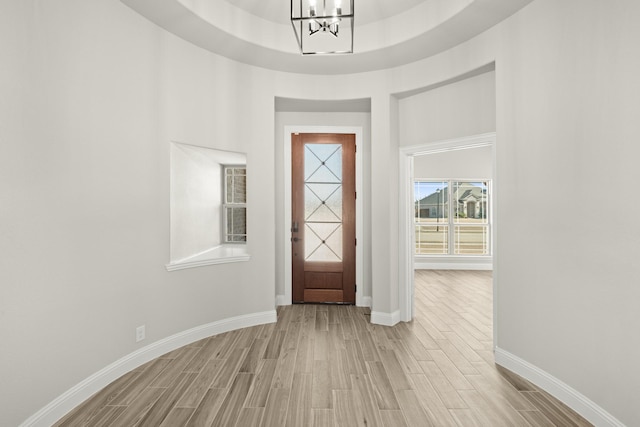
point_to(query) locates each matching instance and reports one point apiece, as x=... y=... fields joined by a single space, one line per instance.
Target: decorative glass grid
x=323 y=202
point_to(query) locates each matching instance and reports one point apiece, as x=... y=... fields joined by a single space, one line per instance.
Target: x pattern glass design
x=323 y=202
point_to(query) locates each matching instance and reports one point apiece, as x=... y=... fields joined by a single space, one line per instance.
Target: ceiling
x=388 y=33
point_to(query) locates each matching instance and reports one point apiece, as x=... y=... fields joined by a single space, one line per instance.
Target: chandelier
x=323 y=26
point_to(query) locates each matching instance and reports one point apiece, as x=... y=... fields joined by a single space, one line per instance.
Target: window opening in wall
x=452 y=217
x=235 y=204
x=208 y=206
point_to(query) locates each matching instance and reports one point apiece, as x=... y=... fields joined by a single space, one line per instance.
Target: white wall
x=568 y=91
x=471 y=163
x=92 y=93
x=459 y=109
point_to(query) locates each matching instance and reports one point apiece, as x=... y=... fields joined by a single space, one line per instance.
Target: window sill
x=222 y=254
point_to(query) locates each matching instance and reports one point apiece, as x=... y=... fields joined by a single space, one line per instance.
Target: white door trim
x=406 y=232
x=288 y=130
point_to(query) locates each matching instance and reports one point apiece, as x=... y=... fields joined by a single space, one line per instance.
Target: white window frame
x=226 y=204
x=450 y=223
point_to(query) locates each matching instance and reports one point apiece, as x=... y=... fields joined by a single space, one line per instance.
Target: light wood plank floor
x=326 y=365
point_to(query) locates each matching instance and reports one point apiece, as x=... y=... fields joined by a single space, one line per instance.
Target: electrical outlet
x=140 y=332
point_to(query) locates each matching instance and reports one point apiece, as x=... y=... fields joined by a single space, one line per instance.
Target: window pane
x=471 y=205
x=236 y=224
x=431 y=201
x=471 y=239
x=432 y=239
x=236 y=185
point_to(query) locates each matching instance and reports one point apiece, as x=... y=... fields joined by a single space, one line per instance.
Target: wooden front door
x=323 y=238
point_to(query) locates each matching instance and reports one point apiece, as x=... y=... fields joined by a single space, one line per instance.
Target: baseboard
x=561 y=391
x=59 y=407
x=282 y=300
x=422 y=265
x=385 y=319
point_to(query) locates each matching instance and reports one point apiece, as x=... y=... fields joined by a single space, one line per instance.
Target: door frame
x=361 y=300
x=406 y=214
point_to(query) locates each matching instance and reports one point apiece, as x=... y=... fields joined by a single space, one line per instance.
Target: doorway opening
x=407 y=211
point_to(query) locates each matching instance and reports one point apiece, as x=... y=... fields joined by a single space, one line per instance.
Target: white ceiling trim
x=425 y=30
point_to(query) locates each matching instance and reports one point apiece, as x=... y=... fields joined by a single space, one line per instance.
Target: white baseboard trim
x=561 y=391
x=451 y=266
x=64 y=403
x=385 y=319
x=364 y=302
x=282 y=300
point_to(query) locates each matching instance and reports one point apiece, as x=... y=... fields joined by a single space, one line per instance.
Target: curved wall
x=92 y=93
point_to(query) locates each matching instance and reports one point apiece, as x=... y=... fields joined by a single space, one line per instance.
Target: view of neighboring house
x=470 y=199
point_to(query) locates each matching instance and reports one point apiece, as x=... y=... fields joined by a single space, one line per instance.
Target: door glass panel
x=323 y=202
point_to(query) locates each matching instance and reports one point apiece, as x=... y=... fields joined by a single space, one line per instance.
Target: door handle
x=295 y=239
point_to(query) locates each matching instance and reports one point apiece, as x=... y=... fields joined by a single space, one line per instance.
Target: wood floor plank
x=385 y=396
x=262 y=384
x=557 y=414
x=397 y=377
x=275 y=411
x=461 y=363
x=355 y=357
x=496 y=411
x=299 y=410
x=174 y=369
x=362 y=384
x=491 y=382
x=249 y=417
x=321 y=396
x=304 y=356
x=178 y=417
x=275 y=345
x=254 y=355
x=536 y=419
x=322 y=321
x=393 y=418
x=208 y=408
x=466 y=417
x=167 y=401
x=348 y=410
x=457 y=379
x=133 y=389
x=198 y=388
x=139 y=407
x=230 y=409
x=230 y=368
x=412 y=409
x=323 y=418
x=209 y=350
x=447 y=393
x=407 y=361
x=434 y=408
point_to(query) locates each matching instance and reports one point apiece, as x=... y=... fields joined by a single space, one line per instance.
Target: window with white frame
x=452 y=217
x=235 y=204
